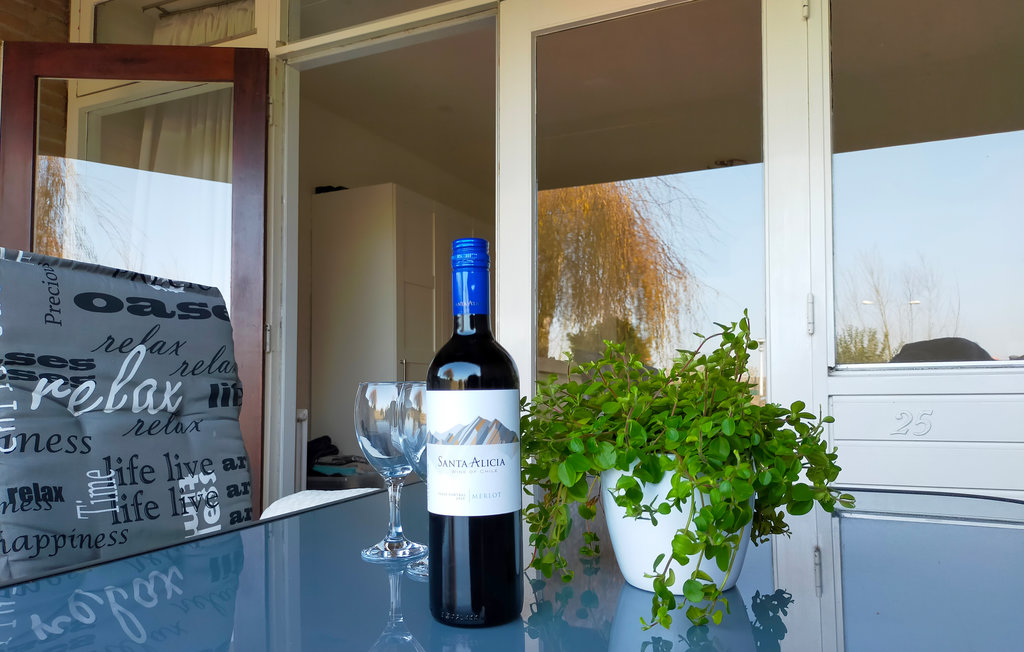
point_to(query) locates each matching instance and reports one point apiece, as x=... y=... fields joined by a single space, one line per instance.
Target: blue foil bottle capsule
x=470 y=277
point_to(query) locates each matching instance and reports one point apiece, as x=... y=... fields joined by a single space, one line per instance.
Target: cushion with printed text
x=119 y=405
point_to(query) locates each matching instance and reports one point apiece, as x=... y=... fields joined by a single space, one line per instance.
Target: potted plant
x=722 y=462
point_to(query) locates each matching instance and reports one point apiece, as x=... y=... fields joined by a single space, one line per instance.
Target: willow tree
x=51 y=201
x=74 y=213
x=602 y=256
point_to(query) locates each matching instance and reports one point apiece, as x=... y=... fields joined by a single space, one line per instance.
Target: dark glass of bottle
x=474 y=495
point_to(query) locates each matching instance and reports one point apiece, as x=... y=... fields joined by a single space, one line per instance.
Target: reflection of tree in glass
x=587 y=346
x=61 y=195
x=860 y=344
x=876 y=314
x=602 y=256
x=50 y=205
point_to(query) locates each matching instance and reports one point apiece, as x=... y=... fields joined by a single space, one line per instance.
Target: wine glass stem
x=395 y=532
x=395 y=603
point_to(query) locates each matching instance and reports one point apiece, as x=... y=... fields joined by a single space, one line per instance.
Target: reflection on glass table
x=918 y=572
x=396 y=636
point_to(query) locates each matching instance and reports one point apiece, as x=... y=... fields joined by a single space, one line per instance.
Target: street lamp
x=912 y=303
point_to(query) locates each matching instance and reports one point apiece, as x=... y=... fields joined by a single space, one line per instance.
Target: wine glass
x=376 y=421
x=412 y=439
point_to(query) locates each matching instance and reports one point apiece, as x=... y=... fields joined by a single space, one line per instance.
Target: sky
x=954 y=207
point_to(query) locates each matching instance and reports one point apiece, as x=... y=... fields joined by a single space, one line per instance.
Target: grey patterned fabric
x=119 y=403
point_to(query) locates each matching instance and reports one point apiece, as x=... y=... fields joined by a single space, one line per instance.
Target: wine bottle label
x=473 y=466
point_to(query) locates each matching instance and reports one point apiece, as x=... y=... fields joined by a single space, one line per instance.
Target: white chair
x=310 y=498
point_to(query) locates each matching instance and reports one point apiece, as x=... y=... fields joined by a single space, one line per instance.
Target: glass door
x=921 y=120
x=162 y=172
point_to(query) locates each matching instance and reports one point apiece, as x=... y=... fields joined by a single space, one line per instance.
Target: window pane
x=173 y=22
x=650 y=209
x=928 y=132
x=312 y=17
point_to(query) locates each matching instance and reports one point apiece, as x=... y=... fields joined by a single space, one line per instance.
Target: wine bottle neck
x=470 y=300
x=472 y=324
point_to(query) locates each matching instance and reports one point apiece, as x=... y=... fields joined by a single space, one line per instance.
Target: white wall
x=335 y=152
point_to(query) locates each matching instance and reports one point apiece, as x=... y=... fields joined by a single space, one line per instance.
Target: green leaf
x=576 y=445
x=565 y=475
x=636 y=433
x=611 y=407
x=719 y=448
x=693 y=590
x=606 y=455
x=722 y=558
x=579 y=491
x=682 y=547
x=729 y=427
x=717 y=617
x=578 y=463
x=696 y=615
x=626 y=482
x=802 y=492
x=800 y=507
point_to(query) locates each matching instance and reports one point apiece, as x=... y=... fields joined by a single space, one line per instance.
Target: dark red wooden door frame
x=25 y=63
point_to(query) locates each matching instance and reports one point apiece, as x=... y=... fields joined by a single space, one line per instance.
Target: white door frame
x=284 y=467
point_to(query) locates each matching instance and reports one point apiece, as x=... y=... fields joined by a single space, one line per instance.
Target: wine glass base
x=418 y=570
x=385 y=551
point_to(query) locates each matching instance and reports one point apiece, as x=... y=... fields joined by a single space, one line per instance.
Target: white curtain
x=205 y=26
x=189 y=137
x=180 y=218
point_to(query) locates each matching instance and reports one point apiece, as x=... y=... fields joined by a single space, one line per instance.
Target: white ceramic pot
x=637 y=543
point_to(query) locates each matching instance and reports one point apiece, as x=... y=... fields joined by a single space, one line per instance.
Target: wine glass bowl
x=412 y=439
x=412 y=428
x=376 y=415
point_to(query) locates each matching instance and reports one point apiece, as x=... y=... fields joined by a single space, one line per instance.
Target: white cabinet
x=380 y=301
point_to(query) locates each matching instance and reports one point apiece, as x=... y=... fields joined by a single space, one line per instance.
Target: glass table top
x=917 y=571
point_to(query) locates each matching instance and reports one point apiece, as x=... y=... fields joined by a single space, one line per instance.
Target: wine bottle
x=474 y=487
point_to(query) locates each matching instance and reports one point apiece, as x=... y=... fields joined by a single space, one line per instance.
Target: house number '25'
x=908 y=425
